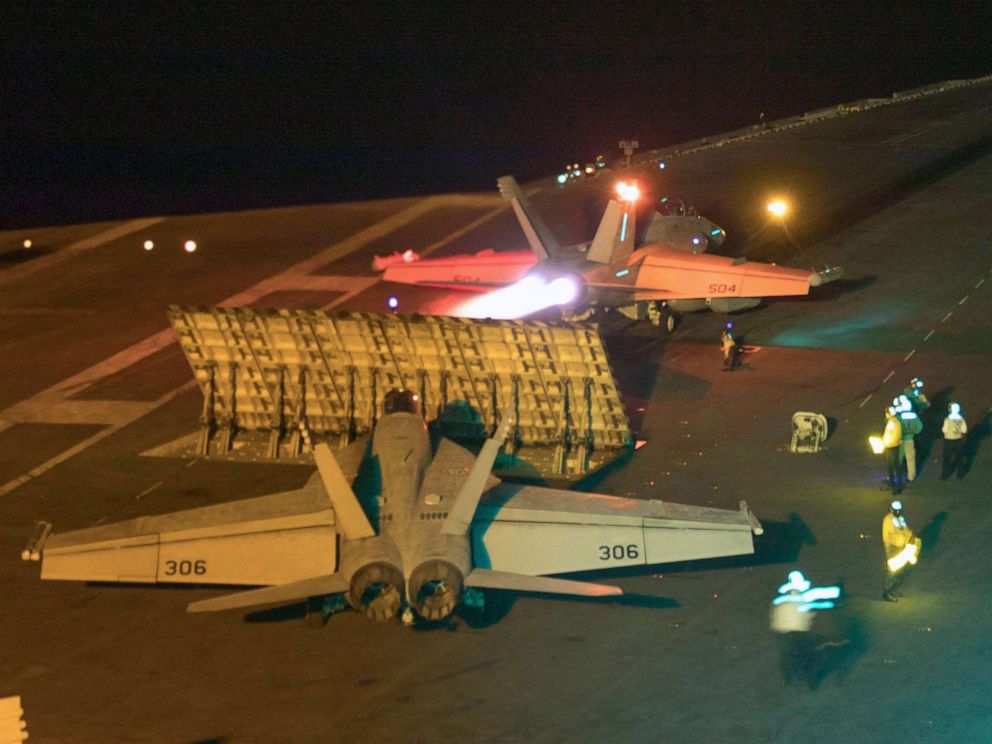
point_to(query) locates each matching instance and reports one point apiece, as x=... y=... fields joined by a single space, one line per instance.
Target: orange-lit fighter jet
x=670 y=273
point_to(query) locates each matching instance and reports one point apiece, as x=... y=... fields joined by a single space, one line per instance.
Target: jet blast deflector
x=275 y=380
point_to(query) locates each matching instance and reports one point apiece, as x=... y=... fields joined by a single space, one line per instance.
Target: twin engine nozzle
x=435 y=589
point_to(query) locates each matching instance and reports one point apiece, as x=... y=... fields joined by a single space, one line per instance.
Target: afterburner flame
x=628 y=191
x=526 y=297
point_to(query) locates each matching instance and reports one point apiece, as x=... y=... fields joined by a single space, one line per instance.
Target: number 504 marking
x=185 y=568
x=618 y=552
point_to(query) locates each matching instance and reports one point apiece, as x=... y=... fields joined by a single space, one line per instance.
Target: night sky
x=115 y=110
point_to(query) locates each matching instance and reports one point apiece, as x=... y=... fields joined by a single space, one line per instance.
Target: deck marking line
x=149 y=489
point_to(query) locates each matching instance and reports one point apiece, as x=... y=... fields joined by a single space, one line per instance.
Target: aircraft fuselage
x=410 y=558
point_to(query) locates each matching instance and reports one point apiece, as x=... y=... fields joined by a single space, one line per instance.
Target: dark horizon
x=159 y=109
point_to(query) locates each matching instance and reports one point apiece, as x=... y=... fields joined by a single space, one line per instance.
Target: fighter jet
x=669 y=273
x=412 y=544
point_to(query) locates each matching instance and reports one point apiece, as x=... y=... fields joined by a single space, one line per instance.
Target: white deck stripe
x=51 y=405
x=149 y=489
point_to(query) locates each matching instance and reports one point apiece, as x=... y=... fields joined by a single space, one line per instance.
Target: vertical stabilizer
x=614 y=239
x=348 y=512
x=540 y=239
x=459 y=519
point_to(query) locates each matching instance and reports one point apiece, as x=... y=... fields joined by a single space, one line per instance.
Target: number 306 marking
x=185 y=568
x=618 y=552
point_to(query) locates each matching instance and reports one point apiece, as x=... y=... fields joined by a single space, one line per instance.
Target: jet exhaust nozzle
x=376 y=591
x=435 y=589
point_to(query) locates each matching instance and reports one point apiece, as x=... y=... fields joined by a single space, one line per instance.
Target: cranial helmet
x=954 y=408
x=896 y=508
x=917 y=383
x=729 y=325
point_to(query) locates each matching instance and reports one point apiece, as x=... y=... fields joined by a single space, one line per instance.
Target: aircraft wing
x=666 y=274
x=274 y=539
x=481 y=271
x=537 y=531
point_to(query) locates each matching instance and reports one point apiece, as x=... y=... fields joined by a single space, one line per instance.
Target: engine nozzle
x=435 y=589
x=376 y=591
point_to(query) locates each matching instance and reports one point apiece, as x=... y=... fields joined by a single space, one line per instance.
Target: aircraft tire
x=670 y=320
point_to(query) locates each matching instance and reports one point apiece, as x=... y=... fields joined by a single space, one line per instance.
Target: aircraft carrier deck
x=899 y=194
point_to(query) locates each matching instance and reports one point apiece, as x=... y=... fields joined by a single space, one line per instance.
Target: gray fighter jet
x=668 y=272
x=418 y=541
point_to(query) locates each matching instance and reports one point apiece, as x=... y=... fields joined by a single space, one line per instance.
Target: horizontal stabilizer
x=282 y=594
x=480 y=578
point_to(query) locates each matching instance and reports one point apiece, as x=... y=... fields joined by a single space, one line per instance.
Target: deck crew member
x=955 y=427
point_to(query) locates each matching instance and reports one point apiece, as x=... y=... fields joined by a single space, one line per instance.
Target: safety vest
x=786 y=618
x=892 y=436
x=895 y=534
x=954 y=426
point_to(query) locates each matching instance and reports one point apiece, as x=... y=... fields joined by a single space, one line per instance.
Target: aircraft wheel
x=670 y=320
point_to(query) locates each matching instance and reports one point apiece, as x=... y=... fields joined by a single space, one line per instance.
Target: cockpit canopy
x=401 y=401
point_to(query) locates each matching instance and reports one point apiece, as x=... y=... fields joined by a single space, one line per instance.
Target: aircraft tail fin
x=459 y=519
x=540 y=239
x=614 y=239
x=270 y=595
x=481 y=578
x=348 y=513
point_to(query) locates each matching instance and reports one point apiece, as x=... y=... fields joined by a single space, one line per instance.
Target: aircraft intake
x=376 y=591
x=435 y=589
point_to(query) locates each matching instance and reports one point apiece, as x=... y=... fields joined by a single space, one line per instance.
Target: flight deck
x=899 y=194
